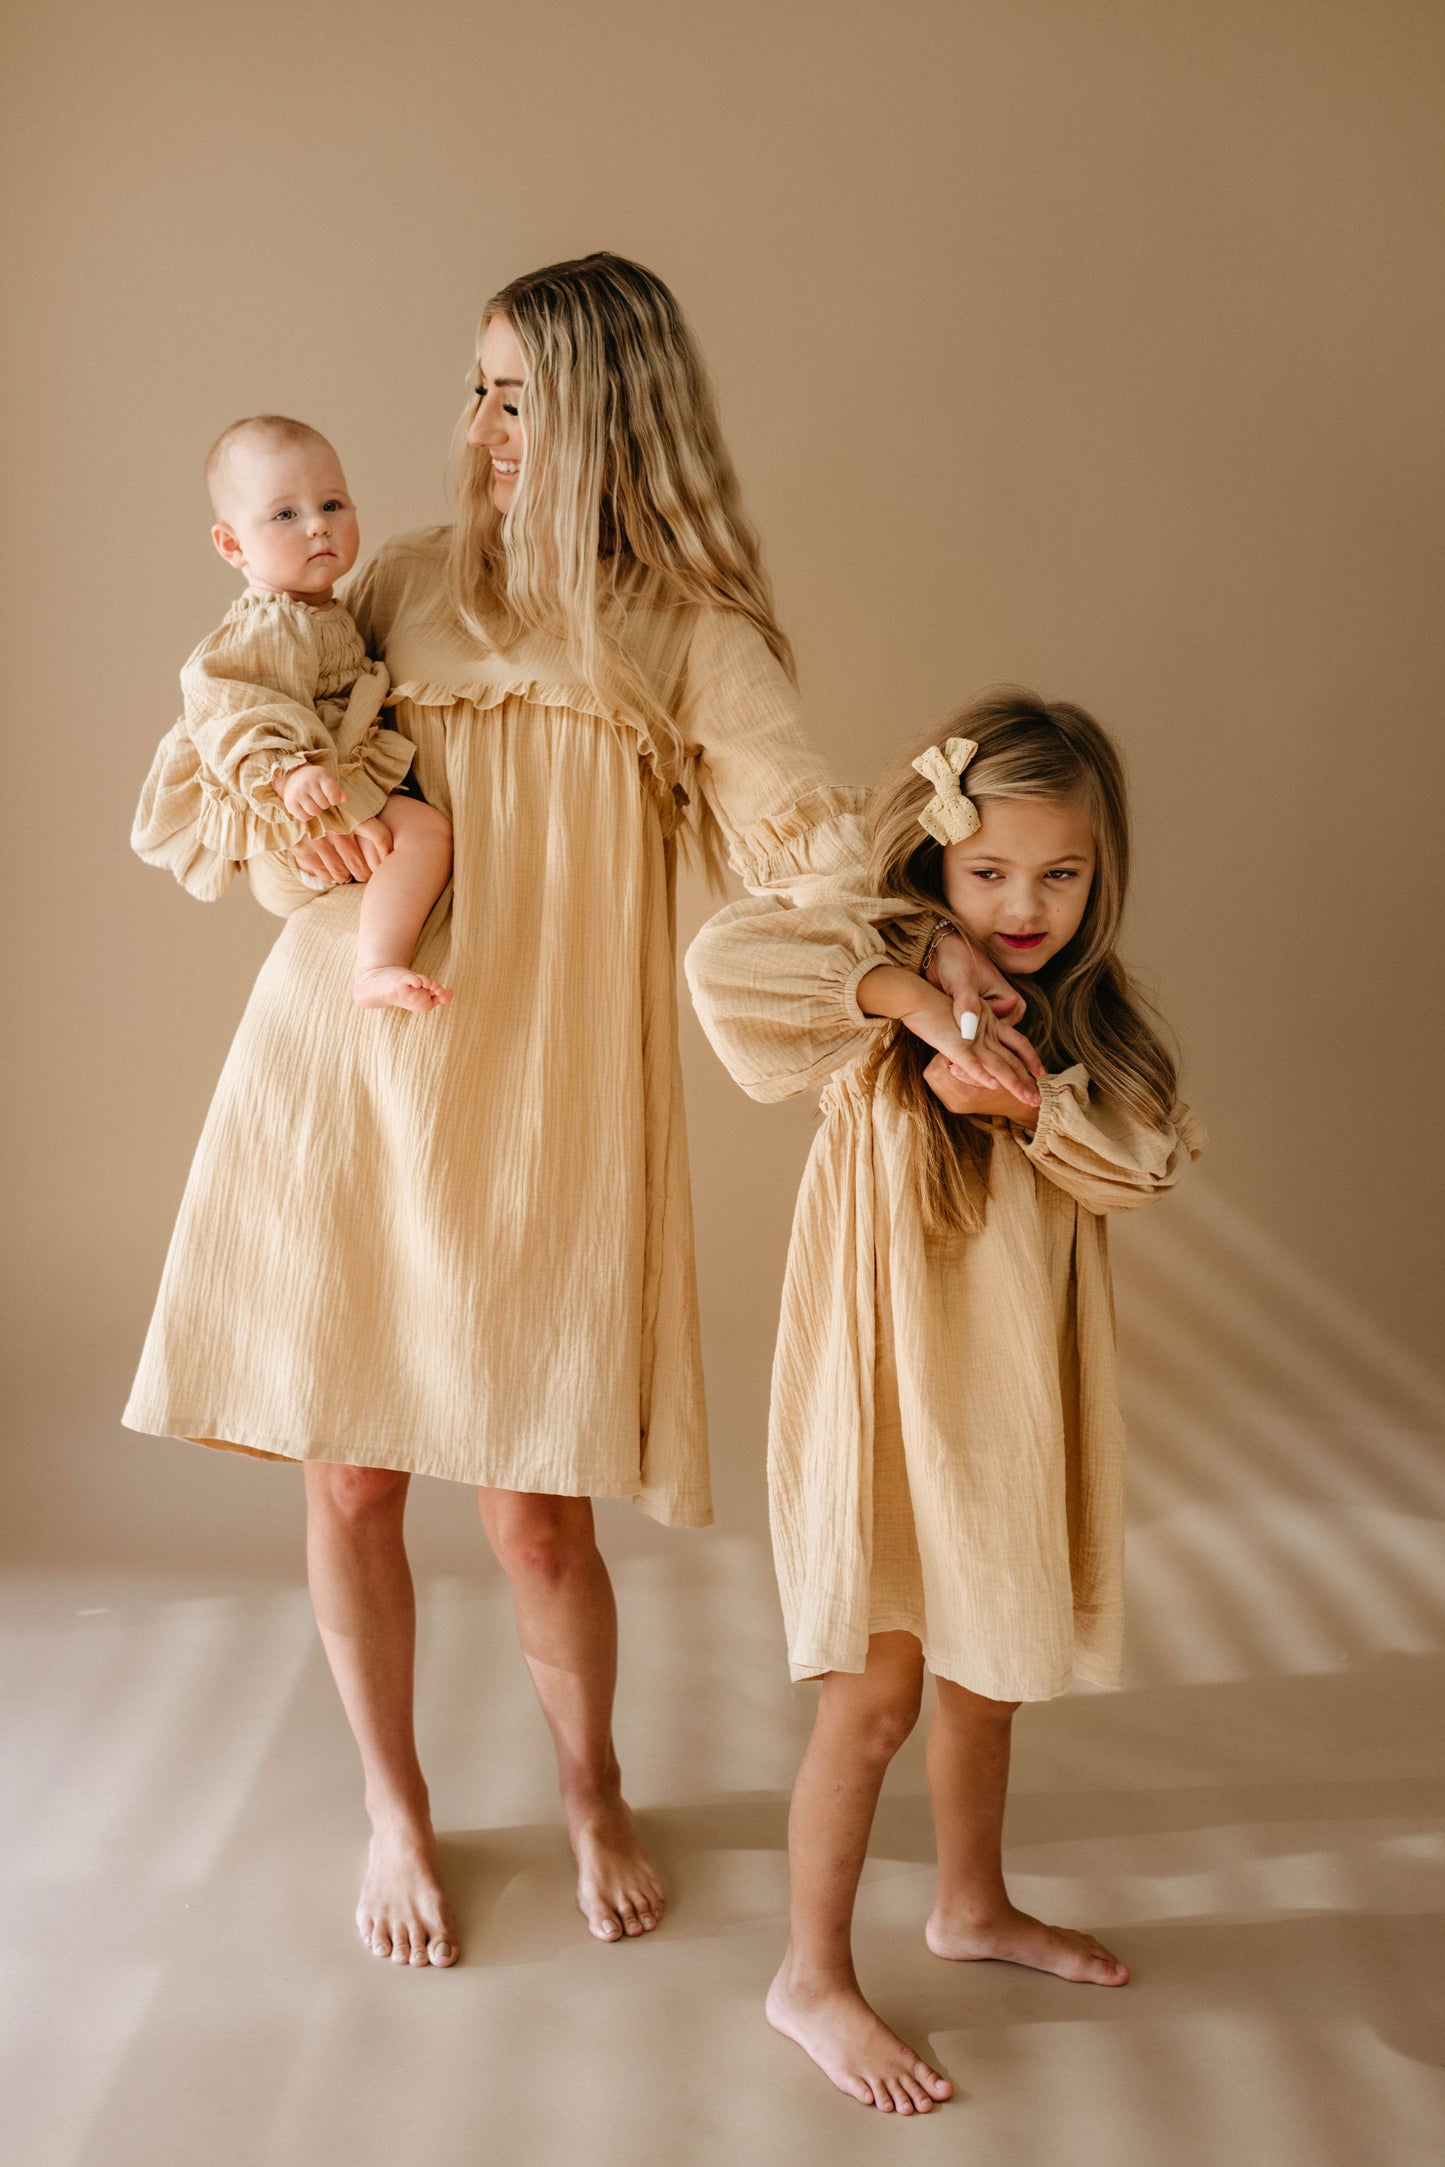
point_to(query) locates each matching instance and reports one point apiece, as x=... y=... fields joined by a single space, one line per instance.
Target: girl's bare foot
x=1015 y=1938
x=403 y=1913
x=618 y=1892
x=387 y=985
x=853 y=2046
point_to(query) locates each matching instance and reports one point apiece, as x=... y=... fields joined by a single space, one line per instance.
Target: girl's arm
x=793 y=836
x=1099 y=1153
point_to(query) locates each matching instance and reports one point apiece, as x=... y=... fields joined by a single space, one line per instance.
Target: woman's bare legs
x=968 y=1761
x=567 y=1625
x=366 y=1611
x=863 y=1719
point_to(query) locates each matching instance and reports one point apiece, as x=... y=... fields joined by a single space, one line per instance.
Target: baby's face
x=286 y=518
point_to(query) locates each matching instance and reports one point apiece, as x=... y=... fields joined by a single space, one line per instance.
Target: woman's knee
x=355 y=1494
x=540 y=1539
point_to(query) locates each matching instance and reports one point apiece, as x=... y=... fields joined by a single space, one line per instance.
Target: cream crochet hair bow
x=949 y=816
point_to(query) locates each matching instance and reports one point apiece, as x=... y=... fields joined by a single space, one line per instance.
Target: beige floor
x=1255 y=1822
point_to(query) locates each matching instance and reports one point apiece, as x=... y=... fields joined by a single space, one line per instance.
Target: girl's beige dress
x=278 y=683
x=945 y=1454
x=461 y=1243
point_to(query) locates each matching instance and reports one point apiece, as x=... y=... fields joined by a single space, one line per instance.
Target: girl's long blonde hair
x=627 y=492
x=1082 y=1005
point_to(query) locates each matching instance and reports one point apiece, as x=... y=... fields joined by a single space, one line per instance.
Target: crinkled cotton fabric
x=946 y=1456
x=277 y=684
x=461 y=1244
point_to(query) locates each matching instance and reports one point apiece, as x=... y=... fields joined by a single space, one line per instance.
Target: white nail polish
x=968 y=1024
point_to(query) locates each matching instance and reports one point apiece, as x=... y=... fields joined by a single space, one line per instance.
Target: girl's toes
x=401 y=1946
x=441 y=1953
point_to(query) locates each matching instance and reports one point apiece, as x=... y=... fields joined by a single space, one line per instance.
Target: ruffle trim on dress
x=668 y=775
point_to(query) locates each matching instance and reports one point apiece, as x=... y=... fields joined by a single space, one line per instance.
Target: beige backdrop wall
x=1096 y=346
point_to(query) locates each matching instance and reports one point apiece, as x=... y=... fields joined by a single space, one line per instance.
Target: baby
x=282 y=715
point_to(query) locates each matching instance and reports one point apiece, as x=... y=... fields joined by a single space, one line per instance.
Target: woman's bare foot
x=403 y=1912
x=853 y=2046
x=618 y=1892
x=387 y=985
x=1015 y=1938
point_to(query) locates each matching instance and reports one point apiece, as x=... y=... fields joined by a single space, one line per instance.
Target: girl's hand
x=889 y=990
x=960 y=1097
x=998 y=1057
x=306 y=791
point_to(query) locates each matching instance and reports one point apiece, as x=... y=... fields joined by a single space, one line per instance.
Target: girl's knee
x=976 y=1709
x=355 y=1494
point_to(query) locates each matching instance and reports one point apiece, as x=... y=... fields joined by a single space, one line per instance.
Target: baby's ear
x=229 y=547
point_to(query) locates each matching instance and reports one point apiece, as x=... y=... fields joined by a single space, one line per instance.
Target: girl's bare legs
x=394 y=907
x=968 y=1760
x=863 y=1719
x=366 y=1612
x=567 y=1625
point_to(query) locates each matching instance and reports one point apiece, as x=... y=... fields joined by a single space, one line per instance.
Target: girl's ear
x=229 y=547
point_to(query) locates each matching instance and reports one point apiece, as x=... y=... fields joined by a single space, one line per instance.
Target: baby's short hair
x=264 y=429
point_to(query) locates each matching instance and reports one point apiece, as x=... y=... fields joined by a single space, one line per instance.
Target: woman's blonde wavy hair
x=627 y=492
x=1081 y=1005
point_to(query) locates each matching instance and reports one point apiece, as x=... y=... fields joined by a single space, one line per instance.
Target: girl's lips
x=1022 y=940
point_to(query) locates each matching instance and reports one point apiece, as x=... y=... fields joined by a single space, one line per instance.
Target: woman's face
x=496 y=426
x=1018 y=887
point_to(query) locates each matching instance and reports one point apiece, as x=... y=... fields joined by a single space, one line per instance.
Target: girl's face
x=496 y=426
x=1019 y=886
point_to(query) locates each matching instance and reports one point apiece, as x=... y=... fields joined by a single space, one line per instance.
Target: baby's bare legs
x=968 y=1761
x=863 y=1719
x=394 y=908
x=567 y=1625
x=366 y=1612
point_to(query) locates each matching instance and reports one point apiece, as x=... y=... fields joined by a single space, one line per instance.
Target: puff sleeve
x=1100 y=1154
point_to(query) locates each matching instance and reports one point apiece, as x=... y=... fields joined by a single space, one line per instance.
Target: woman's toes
x=401 y=1945
x=605 y=1926
x=441 y=1952
x=418 y=1952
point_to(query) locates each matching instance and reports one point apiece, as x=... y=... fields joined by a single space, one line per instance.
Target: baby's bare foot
x=618 y=1892
x=853 y=2046
x=1015 y=1938
x=387 y=985
x=403 y=1912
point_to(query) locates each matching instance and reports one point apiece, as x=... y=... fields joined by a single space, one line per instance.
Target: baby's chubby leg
x=394 y=908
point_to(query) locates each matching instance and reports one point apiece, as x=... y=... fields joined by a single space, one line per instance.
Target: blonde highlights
x=1082 y=1005
x=626 y=492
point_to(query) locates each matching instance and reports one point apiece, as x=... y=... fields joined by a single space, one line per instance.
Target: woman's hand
x=997 y=1057
x=966 y=1098
x=339 y=858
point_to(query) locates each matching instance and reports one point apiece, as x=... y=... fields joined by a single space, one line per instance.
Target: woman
x=461 y=1245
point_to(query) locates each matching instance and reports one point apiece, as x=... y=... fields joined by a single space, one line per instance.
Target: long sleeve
x=249 y=692
x=788 y=826
x=1101 y=1155
x=776 y=989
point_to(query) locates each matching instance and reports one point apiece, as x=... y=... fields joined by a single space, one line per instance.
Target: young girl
x=282 y=708
x=946 y=1457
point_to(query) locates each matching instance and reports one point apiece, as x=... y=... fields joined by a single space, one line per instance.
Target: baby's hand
x=306 y=791
x=375 y=839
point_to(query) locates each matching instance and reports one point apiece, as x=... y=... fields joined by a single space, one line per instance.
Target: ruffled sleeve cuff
x=817 y=844
x=1105 y=1157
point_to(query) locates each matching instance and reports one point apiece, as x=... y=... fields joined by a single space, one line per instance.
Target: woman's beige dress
x=278 y=684
x=945 y=1454
x=461 y=1244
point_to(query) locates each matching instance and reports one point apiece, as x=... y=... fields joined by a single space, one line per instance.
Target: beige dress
x=277 y=684
x=461 y=1243
x=945 y=1451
